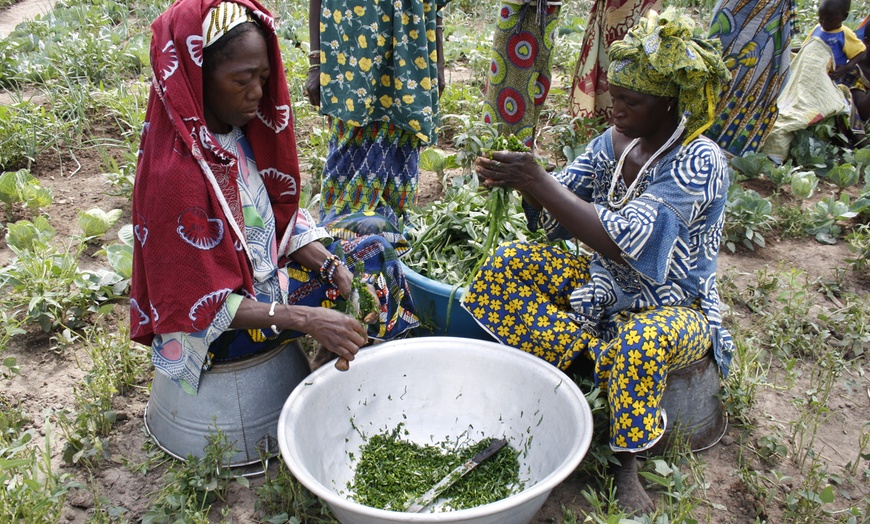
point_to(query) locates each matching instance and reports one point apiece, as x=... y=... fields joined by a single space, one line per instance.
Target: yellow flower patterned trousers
x=522 y=296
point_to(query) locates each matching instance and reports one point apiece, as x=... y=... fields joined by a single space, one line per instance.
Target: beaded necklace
x=615 y=203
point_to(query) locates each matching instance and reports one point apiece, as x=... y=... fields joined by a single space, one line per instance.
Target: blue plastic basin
x=431 y=299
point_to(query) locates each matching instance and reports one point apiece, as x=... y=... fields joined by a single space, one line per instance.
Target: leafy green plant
x=26 y=130
x=771 y=448
x=85 y=40
x=472 y=140
x=116 y=364
x=192 y=486
x=803 y=183
x=747 y=214
x=843 y=176
x=437 y=161
x=449 y=237
x=44 y=284
x=283 y=499
x=498 y=203
x=20 y=187
x=792 y=220
x=120 y=257
x=752 y=165
x=748 y=373
x=677 y=487
x=781 y=175
x=819 y=146
x=95 y=222
x=859 y=244
x=849 y=325
x=572 y=134
x=814 y=407
x=825 y=217
x=32 y=490
x=459 y=99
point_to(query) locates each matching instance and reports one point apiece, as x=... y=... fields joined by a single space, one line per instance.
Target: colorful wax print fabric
x=519 y=76
x=182 y=356
x=756 y=38
x=609 y=21
x=378 y=63
x=372 y=168
x=191 y=250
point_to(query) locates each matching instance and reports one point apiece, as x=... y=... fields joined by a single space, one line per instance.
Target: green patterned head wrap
x=661 y=56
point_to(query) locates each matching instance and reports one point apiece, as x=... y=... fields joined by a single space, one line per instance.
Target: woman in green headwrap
x=648 y=197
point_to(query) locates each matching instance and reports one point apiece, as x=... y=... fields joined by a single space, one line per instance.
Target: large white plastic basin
x=440 y=388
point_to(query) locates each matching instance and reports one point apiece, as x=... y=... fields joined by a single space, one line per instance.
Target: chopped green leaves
x=392 y=471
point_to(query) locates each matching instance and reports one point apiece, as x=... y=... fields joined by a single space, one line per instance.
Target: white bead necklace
x=617 y=174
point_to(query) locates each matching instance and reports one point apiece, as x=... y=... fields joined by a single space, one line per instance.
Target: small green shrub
x=747 y=214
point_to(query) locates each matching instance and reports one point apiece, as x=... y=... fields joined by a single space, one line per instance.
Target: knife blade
x=417 y=504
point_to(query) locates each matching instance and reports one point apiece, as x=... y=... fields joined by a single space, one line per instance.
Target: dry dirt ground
x=48 y=377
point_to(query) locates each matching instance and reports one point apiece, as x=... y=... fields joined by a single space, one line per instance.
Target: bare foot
x=629 y=491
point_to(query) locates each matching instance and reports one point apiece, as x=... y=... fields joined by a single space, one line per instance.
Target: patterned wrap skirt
x=371 y=168
x=522 y=297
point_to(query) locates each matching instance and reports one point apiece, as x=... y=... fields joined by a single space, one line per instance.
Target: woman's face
x=638 y=114
x=233 y=87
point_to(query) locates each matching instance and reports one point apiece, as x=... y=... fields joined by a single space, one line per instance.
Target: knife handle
x=490 y=450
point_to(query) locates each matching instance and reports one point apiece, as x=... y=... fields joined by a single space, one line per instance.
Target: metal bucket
x=243 y=398
x=693 y=408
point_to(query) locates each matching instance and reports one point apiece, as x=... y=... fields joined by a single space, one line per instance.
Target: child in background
x=842 y=40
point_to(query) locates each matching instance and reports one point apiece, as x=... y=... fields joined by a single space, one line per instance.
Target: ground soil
x=128 y=480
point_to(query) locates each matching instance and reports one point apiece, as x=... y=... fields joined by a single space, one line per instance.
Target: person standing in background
x=609 y=21
x=519 y=76
x=376 y=70
x=756 y=37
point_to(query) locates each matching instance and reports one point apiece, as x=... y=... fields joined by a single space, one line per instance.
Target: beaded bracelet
x=314 y=54
x=331 y=274
x=324 y=267
x=313 y=67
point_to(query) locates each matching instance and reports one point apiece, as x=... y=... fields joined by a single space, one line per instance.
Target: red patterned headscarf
x=190 y=250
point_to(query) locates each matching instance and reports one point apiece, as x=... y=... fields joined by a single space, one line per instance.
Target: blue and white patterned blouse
x=669 y=235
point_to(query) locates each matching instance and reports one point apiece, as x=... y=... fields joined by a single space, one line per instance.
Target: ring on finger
x=496 y=163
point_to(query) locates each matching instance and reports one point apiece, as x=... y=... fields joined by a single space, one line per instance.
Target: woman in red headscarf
x=226 y=263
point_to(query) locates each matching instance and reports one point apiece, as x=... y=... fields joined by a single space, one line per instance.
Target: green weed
x=859 y=244
x=282 y=499
x=194 y=485
x=21 y=189
x=26 y=130
x=116 y=365
x=32 y=490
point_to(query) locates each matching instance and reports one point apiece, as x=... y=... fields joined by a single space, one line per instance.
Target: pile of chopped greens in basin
x=393 y=471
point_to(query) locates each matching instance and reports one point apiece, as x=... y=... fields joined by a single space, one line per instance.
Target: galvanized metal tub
x=440 y=388
x=694 y=410
x=243 y=398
